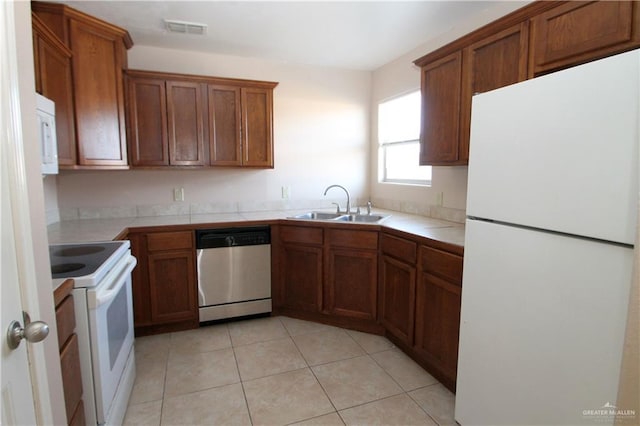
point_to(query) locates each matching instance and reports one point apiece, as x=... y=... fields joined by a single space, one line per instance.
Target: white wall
x=321 y=133
x=400 y=77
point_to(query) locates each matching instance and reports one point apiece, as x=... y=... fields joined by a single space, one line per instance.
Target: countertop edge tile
x=85 y=230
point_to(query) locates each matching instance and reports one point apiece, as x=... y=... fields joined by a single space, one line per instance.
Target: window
x=399 y=137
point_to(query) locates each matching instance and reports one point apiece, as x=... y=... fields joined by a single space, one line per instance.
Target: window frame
x=382 y=151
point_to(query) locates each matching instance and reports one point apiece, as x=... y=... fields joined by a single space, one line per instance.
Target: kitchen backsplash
x=422 y=209
x=177 y=209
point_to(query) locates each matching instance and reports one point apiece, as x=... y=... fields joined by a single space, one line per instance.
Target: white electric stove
x=104 y=323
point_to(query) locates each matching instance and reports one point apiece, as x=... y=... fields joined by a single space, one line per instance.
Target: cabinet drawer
x=301 y=234
x=71 y=379
x=353 y=239
x=65 y=320
x=399 y=248
x=170 y=241
x=442 y=264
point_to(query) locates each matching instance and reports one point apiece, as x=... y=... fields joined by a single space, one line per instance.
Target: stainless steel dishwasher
x=234 y=272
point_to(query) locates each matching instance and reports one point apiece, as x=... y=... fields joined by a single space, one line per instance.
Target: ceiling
x=360 y=35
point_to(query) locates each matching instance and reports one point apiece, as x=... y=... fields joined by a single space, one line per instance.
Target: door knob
x=33 y=332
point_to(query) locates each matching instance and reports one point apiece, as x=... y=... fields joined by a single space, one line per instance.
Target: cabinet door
x=224 y=126
x=257 y=132
x=438 y=323
x=98 y=56
x=351 y=283
x=577 y=32
x=301 y=270
x=496 y=61
x=186 y=124
x=54 y=81
x=147 y=125
x=439 y=137
x=172 y=286
x=397 y=297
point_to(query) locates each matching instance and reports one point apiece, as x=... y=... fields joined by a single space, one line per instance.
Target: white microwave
x=46 y=115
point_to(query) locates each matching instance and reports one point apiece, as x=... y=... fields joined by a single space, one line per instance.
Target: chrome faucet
x=348 y=196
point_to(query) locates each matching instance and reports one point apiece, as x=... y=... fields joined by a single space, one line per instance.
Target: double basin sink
x=341 y=217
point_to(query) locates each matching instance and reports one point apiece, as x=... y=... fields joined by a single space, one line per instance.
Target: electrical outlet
x=286 y=192
x=178 y=194
x=440 y=198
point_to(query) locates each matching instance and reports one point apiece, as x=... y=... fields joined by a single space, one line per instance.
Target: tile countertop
x=83 y=230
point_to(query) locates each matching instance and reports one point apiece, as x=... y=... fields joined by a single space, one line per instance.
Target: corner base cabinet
x=326 y=274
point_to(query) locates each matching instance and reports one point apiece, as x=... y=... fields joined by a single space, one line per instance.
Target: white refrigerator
x=552 y=211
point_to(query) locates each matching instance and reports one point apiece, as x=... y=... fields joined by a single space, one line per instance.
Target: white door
x=17 y=396
x=16 y=392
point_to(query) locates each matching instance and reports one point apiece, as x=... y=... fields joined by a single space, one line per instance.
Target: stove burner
x=78 y=251
x=66 y=268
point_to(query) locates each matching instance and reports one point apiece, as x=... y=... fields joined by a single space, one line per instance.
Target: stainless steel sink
x=317 y=216
x=359 y=218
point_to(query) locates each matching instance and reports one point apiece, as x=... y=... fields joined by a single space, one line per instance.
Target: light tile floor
x=281 y=371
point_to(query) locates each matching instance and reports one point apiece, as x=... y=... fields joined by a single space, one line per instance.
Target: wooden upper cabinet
x=541 y=37
x=185 y=120
x=98 y=58
x=147 y=121
x=165 y=121
x=195 y=121
x=241 y=126
x=225 y=148
x=493 y=62
x=439 y=136
x=578 y=32
x=52 y=61
x=257 y=131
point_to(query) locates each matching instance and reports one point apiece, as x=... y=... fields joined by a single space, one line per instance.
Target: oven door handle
x=102 y=297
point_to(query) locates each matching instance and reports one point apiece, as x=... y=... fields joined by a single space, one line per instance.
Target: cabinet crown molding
x=67 y=11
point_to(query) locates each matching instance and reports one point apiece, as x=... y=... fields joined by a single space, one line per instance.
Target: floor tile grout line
x=244 y=393
x=164 y=382
x=389 y=374
x=317 y=380
x=423 y=409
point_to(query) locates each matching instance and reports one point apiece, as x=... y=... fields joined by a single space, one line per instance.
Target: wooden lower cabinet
x=437 y=315
x=397 y=296
x=326 y=274
x=419 y=298
x=351 y=283
x=164 y=283
x=351 y=275
x=302 y=277
x=438 y=323
x=69 y=353
x=397 y=287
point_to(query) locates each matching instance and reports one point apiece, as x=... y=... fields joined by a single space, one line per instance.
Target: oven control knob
x=33 y=332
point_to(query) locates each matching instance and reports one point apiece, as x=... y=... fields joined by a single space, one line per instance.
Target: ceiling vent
x=183 y=27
